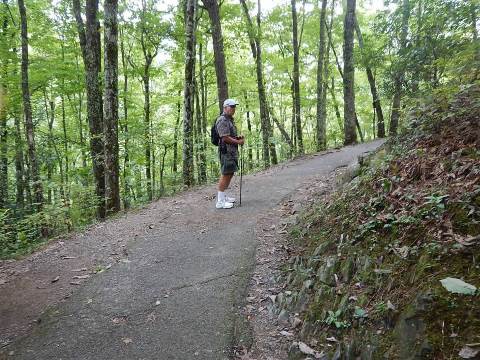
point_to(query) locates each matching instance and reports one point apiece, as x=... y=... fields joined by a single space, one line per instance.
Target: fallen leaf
x=56 y=279
x=331 y=339
x=127 y=341
x=157 y=302
x=458 y=286
x=285 y=333
x=468 y=353
x=68 y=257
x=75 y=283
x=79 y=270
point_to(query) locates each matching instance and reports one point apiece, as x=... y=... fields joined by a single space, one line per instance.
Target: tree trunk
x=90 y=44
x=188 y=93
x=3 y=119
x=200 y=149
x=249 y=127
x=51 y=143
x=255 y=45
x=3 y=147
x=19 y=166
x=349 y=75
x=27 y=109
x=218 y=52
x=284 y=133
x=112 y=188
x=162 y=170
x=126 y=154
x=326 y=70
x=175 y=137
x=321 y=120
x=146 y=129
x=335 y=106
x=373 y=88
x=296 y=78
x=399 y=75
x=473 y=16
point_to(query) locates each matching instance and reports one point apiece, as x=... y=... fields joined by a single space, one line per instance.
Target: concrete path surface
x=175 y=286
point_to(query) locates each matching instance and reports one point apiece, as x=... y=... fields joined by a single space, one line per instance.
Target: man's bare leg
x=224 y=182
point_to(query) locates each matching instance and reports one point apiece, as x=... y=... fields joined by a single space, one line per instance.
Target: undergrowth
x=372 y=255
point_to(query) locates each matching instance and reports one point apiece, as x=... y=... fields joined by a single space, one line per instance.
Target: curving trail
x=163 y=282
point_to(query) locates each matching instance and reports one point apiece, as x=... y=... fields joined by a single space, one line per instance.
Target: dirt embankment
x=370 y=270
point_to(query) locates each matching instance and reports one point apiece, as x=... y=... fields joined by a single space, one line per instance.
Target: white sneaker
x=224 y=205
x=229 y=199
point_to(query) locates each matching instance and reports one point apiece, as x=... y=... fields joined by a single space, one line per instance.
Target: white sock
x=221 y=196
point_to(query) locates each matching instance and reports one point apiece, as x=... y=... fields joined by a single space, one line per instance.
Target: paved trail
x=172 y=292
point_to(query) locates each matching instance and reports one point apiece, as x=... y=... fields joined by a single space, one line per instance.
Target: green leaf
x=359 y=312
x=458 y=286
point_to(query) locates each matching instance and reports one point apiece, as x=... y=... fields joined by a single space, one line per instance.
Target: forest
x=105 y=106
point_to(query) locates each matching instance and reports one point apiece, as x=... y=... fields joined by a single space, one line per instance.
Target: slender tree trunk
x=473 y=17
x=54 y=149
x=418 y=44
x=3 y=116
x=162 y=170
x=27 y=182
x=90 y=44
x=3 y=147
x=249 y=127
x=326 y=70
x=188 y=93
x=50 y=161
x=66 y=189
x=146 y=129
x=284 y=133
x=126 y=154
x=321 y=120
x=399 y=76
x=373 y=88
x=200 y=149
x=296 y=78
x=349 y=74
x=27 y=110
x=79 y=112
x=255 y=45
x=203 y=109
x=175 y=137
x=335 y=106
x=203 y=93
x=19 y=165
x=218 y=52
x=112 y=188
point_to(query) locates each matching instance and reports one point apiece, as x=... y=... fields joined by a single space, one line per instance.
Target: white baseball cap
x=230 y=102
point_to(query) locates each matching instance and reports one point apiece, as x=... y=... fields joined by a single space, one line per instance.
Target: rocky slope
x=372 y=273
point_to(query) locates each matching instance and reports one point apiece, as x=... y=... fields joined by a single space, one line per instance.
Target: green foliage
x=333 y=318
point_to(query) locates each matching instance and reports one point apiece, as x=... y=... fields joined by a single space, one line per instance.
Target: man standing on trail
x=228 y=152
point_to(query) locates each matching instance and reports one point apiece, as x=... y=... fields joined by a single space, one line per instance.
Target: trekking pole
x=241 y=173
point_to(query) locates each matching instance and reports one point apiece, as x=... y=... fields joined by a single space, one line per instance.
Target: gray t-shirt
x=226 y=127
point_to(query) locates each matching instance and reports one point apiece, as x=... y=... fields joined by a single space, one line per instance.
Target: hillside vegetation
x=367 y=278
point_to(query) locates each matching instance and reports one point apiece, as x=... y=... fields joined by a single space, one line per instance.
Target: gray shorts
x=228 y=163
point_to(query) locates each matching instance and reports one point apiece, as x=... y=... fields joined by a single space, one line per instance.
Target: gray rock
x=283 y=317
x=347 y=270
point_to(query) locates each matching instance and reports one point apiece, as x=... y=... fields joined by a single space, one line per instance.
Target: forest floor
x=168 y=281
